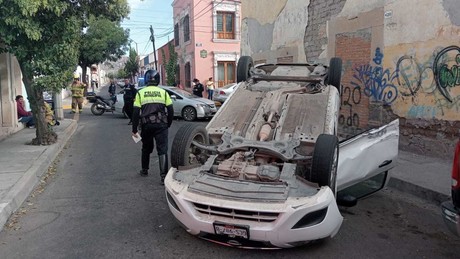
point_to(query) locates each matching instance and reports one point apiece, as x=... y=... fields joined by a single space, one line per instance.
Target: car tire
x=324 y=162
x=183 y=152
x=189 y=113
x=334 y=74
x=96 y=111
x=243 y=68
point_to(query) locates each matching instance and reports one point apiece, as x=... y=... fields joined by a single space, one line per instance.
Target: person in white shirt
x=210 y=87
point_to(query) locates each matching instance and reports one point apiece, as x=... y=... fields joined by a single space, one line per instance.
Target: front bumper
x=205 y=111
x=273 y=224
x=451 y=217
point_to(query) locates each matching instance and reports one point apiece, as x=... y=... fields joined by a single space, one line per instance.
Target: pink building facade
x=207 y=36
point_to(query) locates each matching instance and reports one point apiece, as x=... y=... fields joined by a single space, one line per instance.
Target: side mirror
x=174 y=97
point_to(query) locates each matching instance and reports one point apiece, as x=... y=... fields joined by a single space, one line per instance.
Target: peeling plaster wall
x=315 y=39
x=354 y=7
x=452 y=7
x=424 y=50
x=276 y=32
x=412 y=73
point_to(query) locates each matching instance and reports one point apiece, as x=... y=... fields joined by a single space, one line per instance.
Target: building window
x=188 y=74
x=176 y=34
x=225 y=25
x=225 y=72
x=186 y=26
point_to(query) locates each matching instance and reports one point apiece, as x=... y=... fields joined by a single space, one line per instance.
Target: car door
x=178 y=102
x=367 y=155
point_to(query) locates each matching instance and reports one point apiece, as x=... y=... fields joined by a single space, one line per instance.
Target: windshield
x=184 y=93
x=140 y=82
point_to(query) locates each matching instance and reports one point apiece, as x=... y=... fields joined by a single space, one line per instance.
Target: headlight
x=204 y=106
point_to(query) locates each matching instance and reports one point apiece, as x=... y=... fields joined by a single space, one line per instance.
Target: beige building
x=400 y=59
x=10 y=86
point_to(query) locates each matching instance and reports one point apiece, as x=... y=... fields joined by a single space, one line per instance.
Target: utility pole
x=152 y=38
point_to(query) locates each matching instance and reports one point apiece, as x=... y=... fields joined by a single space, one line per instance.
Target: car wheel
x=183 y=152
x=325 y=160
x=334 y=74
x=95 y=110
x=243 y=68
x=189 y=113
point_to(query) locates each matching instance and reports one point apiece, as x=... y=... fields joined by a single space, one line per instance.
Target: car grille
x=236 y=214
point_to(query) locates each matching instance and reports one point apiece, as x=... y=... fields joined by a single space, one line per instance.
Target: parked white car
x=266 y=171
x=186 y=105
x=221 y=94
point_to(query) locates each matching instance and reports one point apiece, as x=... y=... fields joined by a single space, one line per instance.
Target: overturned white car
x=266 y=171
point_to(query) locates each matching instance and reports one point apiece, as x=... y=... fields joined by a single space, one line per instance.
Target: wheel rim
x=189 y=114
x=96 y=110
x=195 y=154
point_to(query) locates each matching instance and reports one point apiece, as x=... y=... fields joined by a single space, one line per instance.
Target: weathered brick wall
x=354 y=48
x=426 y=137
x=319 y=12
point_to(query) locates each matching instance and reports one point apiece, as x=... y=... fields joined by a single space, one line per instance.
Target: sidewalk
x=426 y=177
x=22 y=165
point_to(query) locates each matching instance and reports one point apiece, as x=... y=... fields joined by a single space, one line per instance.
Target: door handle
x=385 y=163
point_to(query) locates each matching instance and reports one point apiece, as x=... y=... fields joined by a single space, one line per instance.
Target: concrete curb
x=25 y=185
x=431 y=196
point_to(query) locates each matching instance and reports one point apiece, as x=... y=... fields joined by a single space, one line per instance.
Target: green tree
x=132 y=64
x=44 y=36
x=171 y=64
x=122 y=73
x=103 y=40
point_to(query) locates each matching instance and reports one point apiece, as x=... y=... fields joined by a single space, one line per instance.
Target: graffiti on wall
x=447 y=77
x=376 y=82
x=438 y=75
x=351 y=97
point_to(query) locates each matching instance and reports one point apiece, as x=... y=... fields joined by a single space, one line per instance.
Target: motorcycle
x=102 y=105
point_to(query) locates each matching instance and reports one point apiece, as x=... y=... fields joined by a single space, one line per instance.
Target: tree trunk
x=44 y=134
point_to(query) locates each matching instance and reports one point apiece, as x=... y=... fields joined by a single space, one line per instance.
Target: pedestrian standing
x=78 y=90
x=210 y=87
x=128 y=99
x=198 y=88
x=154 y=110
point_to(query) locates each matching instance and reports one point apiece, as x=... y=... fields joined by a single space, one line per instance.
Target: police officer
x=128 y=99
x=154 y=110
x=78 y=91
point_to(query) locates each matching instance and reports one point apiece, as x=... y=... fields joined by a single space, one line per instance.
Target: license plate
x=231 y=230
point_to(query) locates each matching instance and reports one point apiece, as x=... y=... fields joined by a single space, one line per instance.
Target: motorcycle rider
x=78 y=90
x=153 y=107
x=112 y=92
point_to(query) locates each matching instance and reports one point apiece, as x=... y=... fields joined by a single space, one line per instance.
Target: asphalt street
x=95 y=205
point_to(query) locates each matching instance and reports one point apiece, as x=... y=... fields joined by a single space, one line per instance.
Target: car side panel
x=367 y=154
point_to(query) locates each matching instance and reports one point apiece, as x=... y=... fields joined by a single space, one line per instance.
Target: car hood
x=203 y=100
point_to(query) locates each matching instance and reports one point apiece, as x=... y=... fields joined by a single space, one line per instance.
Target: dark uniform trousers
x=151 y=131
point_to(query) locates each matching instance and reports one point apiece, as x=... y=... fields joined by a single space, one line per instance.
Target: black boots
x=163 y=162
x=144 y=172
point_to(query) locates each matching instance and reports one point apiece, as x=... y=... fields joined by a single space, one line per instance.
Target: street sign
x=203 y=53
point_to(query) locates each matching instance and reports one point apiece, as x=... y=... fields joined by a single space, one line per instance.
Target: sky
x=159 y=14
